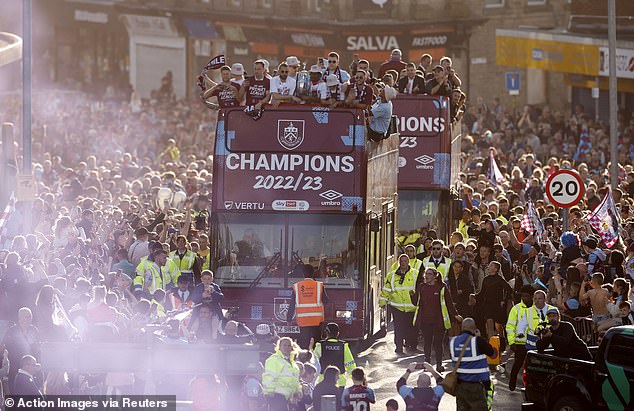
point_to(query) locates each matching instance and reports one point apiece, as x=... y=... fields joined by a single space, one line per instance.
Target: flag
x=605 y=220
x=216 y=62
x=495 y=175
x=531 y=221
x=4 y=217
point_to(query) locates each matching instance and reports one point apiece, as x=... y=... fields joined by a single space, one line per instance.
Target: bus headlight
x=345 y=314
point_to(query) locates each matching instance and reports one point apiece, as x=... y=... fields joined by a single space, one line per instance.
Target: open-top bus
x=303 y=185
x=429 y=163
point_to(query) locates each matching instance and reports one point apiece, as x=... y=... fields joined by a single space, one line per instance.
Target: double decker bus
x=303 y=185
x=429 y=163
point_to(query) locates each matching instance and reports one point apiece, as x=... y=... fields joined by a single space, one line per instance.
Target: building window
x=536 y=2
x=494 y=3
x=266 y=4
x=236 y=3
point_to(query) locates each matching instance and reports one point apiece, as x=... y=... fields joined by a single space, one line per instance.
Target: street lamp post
x=26 y=86
x=614 y=168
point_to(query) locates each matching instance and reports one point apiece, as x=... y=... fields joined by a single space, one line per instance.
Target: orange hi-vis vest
x=309 y=307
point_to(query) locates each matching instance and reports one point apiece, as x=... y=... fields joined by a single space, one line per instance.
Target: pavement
x=383 y=368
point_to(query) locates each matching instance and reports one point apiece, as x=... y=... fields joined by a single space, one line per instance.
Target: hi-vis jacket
x=169 y=270
x=281 y=376
x=443 y=267
x=516 y=324
x=396 y=291
x=309 y=305
x=415 y=263
x=152 y=279
x=185 y=264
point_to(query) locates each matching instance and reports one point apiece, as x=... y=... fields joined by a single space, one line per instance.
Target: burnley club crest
x=290 y=133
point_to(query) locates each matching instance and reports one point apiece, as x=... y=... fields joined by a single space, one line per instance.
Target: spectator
x=563 y=338
x=394 y=63
x=423 y=396
x=25 y=383
x=598 y=297
x=328 y=387
x=359 y=395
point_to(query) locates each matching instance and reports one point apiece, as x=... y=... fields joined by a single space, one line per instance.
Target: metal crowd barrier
x=585 y=329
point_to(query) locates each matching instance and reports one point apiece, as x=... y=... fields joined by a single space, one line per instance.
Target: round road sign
x=564 y=188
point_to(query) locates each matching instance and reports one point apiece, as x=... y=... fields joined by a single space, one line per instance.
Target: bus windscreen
x=265 y=249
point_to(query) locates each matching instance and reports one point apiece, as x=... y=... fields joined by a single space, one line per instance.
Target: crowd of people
x=327 y=83
x=116 y=238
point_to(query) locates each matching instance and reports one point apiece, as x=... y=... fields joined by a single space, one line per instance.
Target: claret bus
x=429 y=163
x=303 y=185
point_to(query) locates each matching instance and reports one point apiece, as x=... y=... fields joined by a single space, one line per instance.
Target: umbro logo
x=425 y=159
x=331 y=195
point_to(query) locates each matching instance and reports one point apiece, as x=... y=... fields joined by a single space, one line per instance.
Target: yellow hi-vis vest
x=281 y=376
x=516 y=324
x=153 y=275
x=169 y=270
x=443 y=309
x=185 y=264
x=414 y=263
x=396 y=293
x=443 y=267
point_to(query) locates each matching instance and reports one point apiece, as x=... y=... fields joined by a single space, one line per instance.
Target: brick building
x=93 y=42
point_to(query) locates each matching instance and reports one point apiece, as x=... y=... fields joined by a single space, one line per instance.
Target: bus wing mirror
x=375 y=225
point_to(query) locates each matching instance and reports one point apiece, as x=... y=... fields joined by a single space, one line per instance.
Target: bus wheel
x=568 y=403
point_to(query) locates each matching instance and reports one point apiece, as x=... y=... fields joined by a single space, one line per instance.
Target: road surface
x=383 y=368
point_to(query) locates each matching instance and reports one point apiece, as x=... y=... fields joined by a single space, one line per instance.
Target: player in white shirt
x=336 y=91
x=283 y=87
x=318 y=89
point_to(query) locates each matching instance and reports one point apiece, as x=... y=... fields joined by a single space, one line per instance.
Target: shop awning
x=200 y=28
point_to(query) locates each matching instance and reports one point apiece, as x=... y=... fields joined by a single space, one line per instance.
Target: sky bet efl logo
x=290 y=133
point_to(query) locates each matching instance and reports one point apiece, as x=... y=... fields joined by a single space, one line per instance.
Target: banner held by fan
x=605 y=220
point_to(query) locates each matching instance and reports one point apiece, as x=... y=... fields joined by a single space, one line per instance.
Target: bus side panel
x=381 y=201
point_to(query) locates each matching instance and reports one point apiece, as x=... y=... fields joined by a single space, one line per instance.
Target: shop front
x=582 y=61
x=89 y=48
x=203 y=43
x=156 y=48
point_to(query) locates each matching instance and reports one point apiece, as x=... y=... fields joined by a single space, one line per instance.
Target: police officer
x=332 y=351
x=536 y=317
x=397 y=292
x=516 y=326
x=437 y=260
x=474 y=390
x=307 y=304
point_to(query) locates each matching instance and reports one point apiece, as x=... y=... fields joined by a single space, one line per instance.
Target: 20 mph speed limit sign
x=564 y=188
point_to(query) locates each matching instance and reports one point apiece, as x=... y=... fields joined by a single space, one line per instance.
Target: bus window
x=372 y=249
x=420 y=210
x=390 y=233
x=247 y=244
x=329 y=243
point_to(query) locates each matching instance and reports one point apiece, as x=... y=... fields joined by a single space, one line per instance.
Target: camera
x=542 y=328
